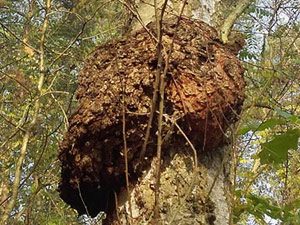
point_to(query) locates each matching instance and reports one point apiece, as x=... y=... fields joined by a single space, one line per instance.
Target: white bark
x=197 y=9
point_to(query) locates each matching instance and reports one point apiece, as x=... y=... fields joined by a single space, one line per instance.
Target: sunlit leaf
x=287 y=115
x=257 y=126
x=275 y=151
x=251 y=126
x=270 y=123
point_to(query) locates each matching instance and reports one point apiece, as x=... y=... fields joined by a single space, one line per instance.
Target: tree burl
x=204 y=93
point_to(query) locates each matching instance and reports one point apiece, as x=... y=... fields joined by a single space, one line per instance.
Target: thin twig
x=70 y=44
x=161 y=104
x=125 y=147
x=62 y=110
x=161 y=93
x=117 y=207
x=82 y=200
x=16 y=80
x=77 y=36
x=19 y=126
x=186 y=138
x=136 y=14
x=19 y=39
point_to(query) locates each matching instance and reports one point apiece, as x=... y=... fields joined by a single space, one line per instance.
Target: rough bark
x=204 y=94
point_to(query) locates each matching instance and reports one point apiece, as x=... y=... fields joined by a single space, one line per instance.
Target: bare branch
x=232 y=17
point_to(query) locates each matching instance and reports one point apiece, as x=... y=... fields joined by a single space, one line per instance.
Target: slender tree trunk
x=28 y=132
x=188 y=195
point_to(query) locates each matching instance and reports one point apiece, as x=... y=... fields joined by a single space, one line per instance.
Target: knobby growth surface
x=204 y=93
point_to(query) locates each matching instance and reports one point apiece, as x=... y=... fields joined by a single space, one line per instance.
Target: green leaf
x=290 y=214
x=283 y=113
x=287 y=115
x=257 y=126
x=275 y=151
x=270 y=123
x=263 y=206
x=252 y=125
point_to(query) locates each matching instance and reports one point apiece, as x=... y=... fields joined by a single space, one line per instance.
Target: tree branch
x=240 y=7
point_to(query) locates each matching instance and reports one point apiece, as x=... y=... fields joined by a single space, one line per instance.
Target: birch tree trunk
x=187 y=195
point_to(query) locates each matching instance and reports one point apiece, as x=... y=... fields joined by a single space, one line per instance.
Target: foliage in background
x=267 y=148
